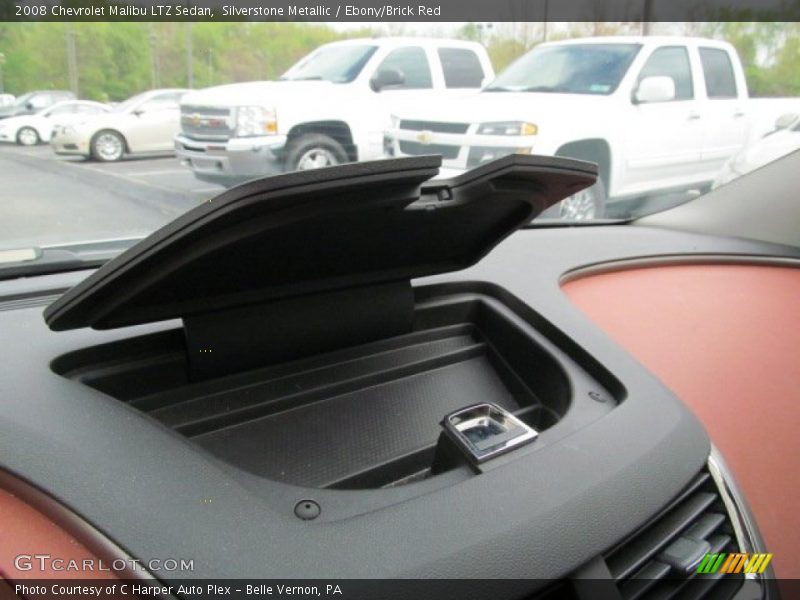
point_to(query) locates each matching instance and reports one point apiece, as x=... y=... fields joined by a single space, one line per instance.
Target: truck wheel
x=586 y=204
x=27 y=136
x=313 y=151
x=107 y=146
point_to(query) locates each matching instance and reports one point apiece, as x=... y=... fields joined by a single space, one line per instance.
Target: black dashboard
x=90 y=418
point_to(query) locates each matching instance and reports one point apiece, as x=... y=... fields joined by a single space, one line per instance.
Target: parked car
x=33 y=102
x=146 y=122
x=329 y=108
x=29 y=130
x=782 y=140
x=656 y=114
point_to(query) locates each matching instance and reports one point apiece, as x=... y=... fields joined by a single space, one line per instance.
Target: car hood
x=9 y=111
x=18 y=121
x=505 y=106
x=258 y=92
x=109 y=119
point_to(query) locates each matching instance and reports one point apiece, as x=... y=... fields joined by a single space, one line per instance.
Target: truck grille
x=418 y=149
x=434 y=126
x=207 y=123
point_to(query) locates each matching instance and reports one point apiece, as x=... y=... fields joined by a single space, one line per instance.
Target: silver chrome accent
x=484 y=431
x=612 y=266
x=207 y=122
x=748 y=538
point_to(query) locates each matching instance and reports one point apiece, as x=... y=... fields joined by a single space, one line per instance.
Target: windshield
x=130 y=103
x=23 y=100
x=337 y=64
x=574 y=69
x=667 y=111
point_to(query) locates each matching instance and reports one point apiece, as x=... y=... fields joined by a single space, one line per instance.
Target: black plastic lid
x=316 y=231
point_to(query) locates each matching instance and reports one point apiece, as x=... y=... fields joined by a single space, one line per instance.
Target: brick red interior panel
x=725 y=339
x=27 y=531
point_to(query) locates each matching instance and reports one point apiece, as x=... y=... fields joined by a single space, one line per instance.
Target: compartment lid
x=314 y=231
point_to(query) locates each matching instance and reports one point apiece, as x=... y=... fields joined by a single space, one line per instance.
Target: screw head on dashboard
x=597 y=396
x=307 y=510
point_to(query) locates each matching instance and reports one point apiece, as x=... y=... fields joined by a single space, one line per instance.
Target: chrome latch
x=483 y=431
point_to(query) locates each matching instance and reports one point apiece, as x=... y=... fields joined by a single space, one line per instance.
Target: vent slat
x=28 y=302
x=705 y=526
x=644 y=579
x=642 y=573
x=674 y=588
x=699 y=481
x=700 y=585
x=633 y=555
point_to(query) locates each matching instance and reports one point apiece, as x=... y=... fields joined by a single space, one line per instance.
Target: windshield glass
x=23 y=100
x=337 y=64
x=130 y=103
x=574 y=69
x=667 y=111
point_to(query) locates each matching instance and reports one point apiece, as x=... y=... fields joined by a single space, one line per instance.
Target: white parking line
x=160 y=172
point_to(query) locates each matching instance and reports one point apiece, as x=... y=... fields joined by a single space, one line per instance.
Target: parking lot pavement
x=163 y=174
x=46 y=199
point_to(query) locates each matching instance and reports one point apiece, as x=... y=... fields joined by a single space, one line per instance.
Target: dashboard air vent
x=660 y=559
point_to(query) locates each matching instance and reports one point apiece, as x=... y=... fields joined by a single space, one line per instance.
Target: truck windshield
x=338 y=64
x=23 y=100
x=129 y=103
x=570 y=69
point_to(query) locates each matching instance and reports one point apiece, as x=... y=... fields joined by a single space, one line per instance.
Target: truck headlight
x=256 y=120
x=508 y=128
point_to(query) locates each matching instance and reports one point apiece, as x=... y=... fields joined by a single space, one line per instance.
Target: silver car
x=146 y=122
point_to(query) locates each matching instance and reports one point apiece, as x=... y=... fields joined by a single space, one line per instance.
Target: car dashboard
x=332 y=464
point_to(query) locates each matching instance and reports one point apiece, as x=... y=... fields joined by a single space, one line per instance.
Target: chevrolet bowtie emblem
x=195 y=118
x=424 y=137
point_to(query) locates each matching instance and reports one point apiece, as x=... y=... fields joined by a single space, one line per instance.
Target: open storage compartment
x=305 y=357
x=361 y=417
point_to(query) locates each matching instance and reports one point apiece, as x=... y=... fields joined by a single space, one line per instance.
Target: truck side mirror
x=786 y=121
x=654 y=89
x=387 y=78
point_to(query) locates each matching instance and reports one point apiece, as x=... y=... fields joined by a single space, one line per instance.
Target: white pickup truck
x=656 y=113
x=331 y=107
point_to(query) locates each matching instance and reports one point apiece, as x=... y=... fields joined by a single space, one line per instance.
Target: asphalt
x=47 y=199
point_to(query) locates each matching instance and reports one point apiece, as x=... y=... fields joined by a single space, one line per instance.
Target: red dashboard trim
x=726 y=339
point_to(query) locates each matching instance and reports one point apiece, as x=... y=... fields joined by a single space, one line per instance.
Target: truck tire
x=314 y=151
x=107 y=146
x=28 y=136
x=584 y=205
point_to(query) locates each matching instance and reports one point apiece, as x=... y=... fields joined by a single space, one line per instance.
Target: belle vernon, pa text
x=146 y=589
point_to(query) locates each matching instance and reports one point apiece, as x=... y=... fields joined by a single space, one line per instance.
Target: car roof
x=89 y=102
x=647 y=40
x=427 y=42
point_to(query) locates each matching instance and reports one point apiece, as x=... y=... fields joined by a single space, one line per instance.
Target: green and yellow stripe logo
x=734 y=563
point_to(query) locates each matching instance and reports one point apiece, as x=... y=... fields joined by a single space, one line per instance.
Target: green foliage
x=469 y=32
x=117 y=60
x=768 y=51
x=503 y=51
